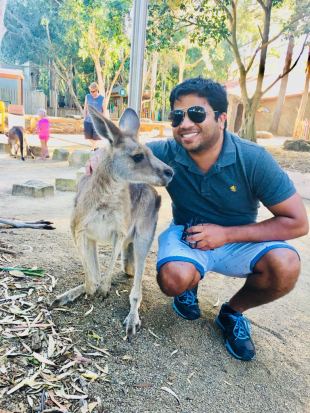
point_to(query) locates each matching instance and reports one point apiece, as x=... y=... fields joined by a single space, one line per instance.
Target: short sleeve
x=160 y=149
x=270 y=182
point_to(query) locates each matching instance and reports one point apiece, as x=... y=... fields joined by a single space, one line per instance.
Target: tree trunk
x=248 y=129
x=100 y=78
x=153 y=83
x=304 y=100
x=182 y=63
x=281 y=98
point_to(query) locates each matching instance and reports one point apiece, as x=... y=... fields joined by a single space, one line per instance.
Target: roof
x=11 y=73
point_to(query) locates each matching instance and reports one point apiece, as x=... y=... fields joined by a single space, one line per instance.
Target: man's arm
x=289 y=221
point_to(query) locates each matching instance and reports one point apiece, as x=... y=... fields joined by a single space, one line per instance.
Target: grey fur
x=118 y=204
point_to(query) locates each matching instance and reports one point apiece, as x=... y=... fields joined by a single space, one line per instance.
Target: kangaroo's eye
x=138 y=157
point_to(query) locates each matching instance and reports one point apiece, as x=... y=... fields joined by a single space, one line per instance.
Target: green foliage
x=162 y=26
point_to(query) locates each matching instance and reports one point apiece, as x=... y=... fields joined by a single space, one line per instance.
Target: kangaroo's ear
x=104 y=127
x=129 y=122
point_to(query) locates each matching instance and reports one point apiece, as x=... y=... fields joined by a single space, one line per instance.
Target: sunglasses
x=196 y=114
x=93 y=91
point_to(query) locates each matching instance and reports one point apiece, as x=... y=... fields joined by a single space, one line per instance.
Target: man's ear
x=222 y=120
x=129 y=122
x=104 y=127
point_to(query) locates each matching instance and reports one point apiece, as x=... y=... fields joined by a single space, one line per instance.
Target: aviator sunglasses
x=197 y=114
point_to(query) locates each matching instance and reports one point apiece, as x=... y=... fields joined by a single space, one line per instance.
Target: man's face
x=198 y=137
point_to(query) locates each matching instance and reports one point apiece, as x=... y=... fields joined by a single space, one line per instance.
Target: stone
x=33 y=188
x=4 y=147
x=80 y=173
x=60 y=154
x=65 y=184
x=263 y=134
x=299 y=145
x=79 y=158
x=35 y=150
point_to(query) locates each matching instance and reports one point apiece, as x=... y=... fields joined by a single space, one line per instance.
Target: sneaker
x=186 y=304
x=236 y=332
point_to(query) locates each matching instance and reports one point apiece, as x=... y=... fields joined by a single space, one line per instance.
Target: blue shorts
x=235 y=260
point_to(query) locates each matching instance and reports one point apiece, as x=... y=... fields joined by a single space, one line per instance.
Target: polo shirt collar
x=227 y=155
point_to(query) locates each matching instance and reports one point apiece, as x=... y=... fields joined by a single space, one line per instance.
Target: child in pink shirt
x=43 y=129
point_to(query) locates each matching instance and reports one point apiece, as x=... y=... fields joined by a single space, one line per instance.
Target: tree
x=99 y=29
x=281 y=97
x=36 y=33
x=220 y=19
x=304 y=100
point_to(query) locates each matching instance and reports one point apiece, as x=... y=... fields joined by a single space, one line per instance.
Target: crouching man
x=219 y=180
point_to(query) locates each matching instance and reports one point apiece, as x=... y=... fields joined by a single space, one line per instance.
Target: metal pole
x=137 y=54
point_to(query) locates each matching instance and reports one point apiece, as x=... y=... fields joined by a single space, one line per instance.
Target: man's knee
x=175 y=277
x=281 y=267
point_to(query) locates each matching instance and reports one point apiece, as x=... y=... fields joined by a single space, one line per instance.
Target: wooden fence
x=33 y=99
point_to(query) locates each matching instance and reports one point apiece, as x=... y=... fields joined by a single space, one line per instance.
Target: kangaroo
x=17 y=139
x=117 y=203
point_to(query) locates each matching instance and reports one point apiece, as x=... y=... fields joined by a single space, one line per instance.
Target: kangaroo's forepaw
x=133 y=324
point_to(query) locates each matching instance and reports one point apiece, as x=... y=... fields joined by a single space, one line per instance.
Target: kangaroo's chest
x=107 y=219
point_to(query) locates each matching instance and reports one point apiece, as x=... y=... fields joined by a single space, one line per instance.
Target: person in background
x=43 y=129
x=94 y=99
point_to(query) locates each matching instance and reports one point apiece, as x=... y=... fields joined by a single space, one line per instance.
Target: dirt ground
x=167 y=355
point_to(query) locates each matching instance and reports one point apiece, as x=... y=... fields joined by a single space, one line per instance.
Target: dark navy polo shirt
x=229 y=193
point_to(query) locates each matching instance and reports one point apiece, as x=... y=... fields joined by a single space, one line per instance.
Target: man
x=219 y=180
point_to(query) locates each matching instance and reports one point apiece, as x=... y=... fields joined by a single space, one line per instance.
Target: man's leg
x=175 y=277
x=275 y=275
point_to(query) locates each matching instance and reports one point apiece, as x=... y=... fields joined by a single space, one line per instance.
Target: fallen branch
x=27 y=224
x=6 y=251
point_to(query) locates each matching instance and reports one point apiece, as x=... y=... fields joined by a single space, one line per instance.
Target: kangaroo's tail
x=20 y=136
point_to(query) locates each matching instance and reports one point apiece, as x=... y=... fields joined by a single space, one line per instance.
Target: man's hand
x=93 y=162
x=207 y=236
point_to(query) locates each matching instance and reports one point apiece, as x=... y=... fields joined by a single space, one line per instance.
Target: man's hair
x=93 y=86
x=213 y=91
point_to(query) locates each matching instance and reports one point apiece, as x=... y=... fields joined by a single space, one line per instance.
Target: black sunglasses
x=197 y=114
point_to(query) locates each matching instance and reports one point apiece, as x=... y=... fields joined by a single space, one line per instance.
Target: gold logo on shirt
x=233 y=188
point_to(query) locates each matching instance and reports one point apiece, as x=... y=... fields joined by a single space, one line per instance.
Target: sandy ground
x=186 y=357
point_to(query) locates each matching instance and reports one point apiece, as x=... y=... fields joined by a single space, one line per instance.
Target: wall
x=289 y=113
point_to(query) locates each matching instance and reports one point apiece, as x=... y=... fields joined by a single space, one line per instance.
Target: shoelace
x=188 y=297
x=242 y=328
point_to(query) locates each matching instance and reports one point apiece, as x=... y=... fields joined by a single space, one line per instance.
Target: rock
x=79 y=158
x=297 y=145
x=60 y=154
x=4 y=147
x=36 y=150
x=65 y=184
x=262 y=134
x=33 y=188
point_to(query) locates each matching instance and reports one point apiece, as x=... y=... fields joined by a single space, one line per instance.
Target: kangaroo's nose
x=168 y=172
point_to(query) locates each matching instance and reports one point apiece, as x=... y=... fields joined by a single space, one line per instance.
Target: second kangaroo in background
x=116 y=203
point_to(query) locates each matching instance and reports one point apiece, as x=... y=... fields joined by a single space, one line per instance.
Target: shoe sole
x=181 y=315
x=227 y=345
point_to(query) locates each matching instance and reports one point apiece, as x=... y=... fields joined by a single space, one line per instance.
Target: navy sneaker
x=236 y=332
x=186 y=304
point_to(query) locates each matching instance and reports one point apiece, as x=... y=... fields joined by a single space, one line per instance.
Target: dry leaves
x=37 y=360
